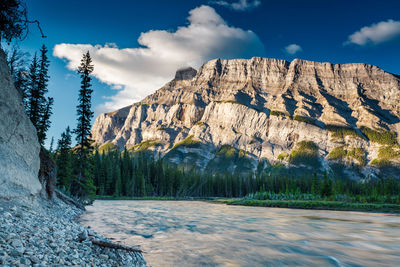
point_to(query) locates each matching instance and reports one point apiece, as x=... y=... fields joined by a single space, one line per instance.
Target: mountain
x=242 y=115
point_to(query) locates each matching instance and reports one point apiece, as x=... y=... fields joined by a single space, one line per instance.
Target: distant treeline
x=138 y=175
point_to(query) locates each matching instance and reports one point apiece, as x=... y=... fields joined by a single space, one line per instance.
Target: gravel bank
x=44 y=233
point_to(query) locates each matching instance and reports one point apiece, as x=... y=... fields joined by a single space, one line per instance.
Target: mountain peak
x=185 y=74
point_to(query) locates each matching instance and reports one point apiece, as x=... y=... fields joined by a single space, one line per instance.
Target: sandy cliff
x=19 y=146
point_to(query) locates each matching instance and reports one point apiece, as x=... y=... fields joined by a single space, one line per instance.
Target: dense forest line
x=139 y=175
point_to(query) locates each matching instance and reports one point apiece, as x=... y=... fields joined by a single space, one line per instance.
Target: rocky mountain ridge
x=235 y=114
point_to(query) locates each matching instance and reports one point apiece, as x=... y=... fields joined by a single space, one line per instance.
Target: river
x=195 y=233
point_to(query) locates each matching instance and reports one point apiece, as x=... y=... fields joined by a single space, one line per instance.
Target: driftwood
x=114 y=246
x=69 y=200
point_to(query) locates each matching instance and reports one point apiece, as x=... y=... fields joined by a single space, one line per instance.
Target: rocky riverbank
x=44 y=233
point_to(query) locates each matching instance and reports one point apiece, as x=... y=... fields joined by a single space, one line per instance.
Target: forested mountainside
x=241 y=115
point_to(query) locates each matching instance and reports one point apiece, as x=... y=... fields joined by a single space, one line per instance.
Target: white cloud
x=140 y=71
x=377 y=33
x=293 y=49
x=241 y=5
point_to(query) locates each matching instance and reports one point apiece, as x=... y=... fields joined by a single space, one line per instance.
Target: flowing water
x=195 y=233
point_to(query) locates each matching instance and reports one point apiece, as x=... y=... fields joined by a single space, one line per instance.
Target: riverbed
x=196 y=233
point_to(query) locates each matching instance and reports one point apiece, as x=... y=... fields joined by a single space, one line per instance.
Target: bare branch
x=38 y=24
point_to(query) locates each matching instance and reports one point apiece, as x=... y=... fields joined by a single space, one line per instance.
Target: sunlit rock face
x=19 y=146
x=236 y=114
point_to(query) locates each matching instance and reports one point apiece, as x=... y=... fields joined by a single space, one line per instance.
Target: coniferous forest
x=129 y=174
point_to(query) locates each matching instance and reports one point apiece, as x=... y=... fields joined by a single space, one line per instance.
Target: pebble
x=104 y=257
x=45 y=233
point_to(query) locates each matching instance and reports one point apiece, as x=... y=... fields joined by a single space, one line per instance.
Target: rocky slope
x=46 y=234
x=19 y=146
x=235 y=114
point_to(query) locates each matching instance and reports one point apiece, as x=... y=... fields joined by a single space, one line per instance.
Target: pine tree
x=39 y=108
x=64 y=160
x=44 y=125
x=83 y=186
x=45 y=104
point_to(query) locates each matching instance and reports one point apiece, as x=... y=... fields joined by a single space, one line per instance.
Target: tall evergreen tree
x=45 y=104
x=39 y=107
x=64 y=160
x=47 y=111
x=83 y=186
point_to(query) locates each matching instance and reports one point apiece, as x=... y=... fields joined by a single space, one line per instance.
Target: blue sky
x=179 y=33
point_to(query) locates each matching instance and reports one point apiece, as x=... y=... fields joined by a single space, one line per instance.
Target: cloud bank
x=241 y=5
x=374 y=34
x=137 y=72
x=293 y=49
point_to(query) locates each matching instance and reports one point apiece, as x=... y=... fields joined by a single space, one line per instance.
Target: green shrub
x=145 y=145
x=277 y=113
x=306 y=152
x=307 y=145
x=380 y=137
x=359 y=154
x=385 y=155
x=283 y=156
x=141 y=104
x=162 y=129
x=188 y=142
x=387 y=152
x=342 y=131
x=305 y=120
x=227 y=151
x=233 y=102
x=242 y=153
x=338 y=153
x=107 y=148
x=381 y=163
x=200 y=123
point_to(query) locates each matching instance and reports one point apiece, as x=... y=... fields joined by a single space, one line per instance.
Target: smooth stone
x=17 y=252
x=34 y=259
x=104 y=257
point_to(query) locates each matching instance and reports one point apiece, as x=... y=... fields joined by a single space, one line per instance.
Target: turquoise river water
x=195 y=233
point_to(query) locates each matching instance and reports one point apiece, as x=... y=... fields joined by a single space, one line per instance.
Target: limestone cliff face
x=19 y=147
x=262 y=108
